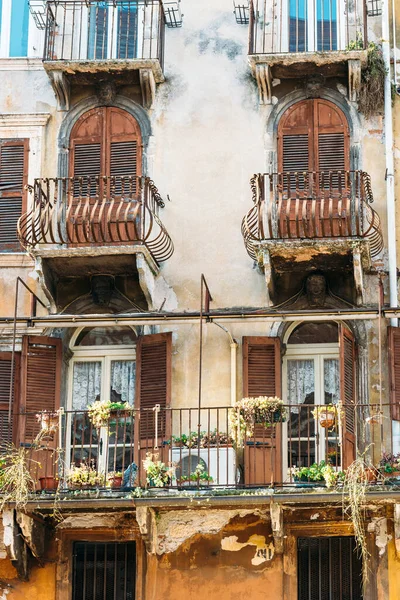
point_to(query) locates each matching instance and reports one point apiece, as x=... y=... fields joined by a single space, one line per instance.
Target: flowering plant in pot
x=198 y=476
x=321 y=472
x=248 y=412
x=114 y=479
x=327 y=415
x=100 y=411
x=158 y=474
x=84 y=476
x=389 y=465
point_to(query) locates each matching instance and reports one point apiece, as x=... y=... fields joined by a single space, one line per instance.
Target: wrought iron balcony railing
x=111 y=30
x=311 y=26
x=311 y=205
x=92 y=211
x=119 y=447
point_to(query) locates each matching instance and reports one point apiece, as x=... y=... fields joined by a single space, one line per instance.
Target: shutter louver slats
x=154 y=382
x=394 y=371
x=12 y=194
x=41 y=361
x=123 y=163
x=6 y=427
x=331 y=152
x=262 y=377
x=12 y=167
x=87 y=164
x=295 y=153
x=348 y=393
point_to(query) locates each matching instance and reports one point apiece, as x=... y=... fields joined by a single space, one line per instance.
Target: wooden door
x=105 y=164
x=262 y=377
x=313 y=146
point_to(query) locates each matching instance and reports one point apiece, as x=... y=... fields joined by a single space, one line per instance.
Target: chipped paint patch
x=263 y=553
x=314 y=517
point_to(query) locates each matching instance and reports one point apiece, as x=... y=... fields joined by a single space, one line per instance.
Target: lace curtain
x=331 y=380
x=86 y=385
x=300 y=383
x=122 y=386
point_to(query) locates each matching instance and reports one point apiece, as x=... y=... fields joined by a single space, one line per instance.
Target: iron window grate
x=328 y=568
x=104 y=571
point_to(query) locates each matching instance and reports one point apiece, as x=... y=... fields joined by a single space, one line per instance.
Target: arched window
x=313 y=135
x=106 y=141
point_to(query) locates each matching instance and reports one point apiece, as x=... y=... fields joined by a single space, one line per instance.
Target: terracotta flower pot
x=371 y=475
x=326 y=418
x=116 y=482
x=48 y=483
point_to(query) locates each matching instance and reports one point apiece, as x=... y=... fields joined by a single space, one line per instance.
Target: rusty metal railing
x=104 y=31
x=82 y=211
x=270 y=454
x=311 y=205
x=314 y=26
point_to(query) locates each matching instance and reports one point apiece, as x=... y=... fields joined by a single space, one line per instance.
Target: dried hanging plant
x=371 y=94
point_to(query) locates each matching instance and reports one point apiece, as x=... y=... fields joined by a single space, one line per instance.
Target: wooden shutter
x=7 y=428
x=262 y=377
x=348 y=390
x=40 y=381
x=153 y=382
x=13 y=178
x=313 y=135
x=394 y=371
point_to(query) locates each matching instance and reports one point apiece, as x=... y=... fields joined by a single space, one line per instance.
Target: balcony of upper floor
x=94 y=224
x=71 y=450
x=321 y=219
x=90 y=42
x=290 y=39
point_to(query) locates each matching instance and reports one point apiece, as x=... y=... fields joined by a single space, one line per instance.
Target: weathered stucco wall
x=41 y=585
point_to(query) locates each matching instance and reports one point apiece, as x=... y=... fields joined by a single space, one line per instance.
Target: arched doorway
x=315 y=186
x=105 y=163
x=313 y=135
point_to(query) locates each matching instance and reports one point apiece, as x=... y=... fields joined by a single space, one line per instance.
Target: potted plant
x=248 y=412
x=322 y=473
x=389 y=465
x=48 y=482
x=101 y=410
x=327 y=415
x=114 y=479
x=199 y=477
x=84 y=476
x=216 y=438
x=158 y=474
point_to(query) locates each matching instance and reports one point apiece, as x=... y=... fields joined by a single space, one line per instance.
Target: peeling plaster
x=175 y=527
x=314 y=517
x=378 y=526
x=263 y=553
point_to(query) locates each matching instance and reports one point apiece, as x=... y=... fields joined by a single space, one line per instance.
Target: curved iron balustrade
x=311 y=205
x=89 y=210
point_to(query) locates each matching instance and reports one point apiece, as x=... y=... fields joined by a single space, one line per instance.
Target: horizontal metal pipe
x=190 y=318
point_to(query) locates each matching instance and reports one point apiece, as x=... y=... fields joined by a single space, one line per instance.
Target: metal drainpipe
x=390 y=199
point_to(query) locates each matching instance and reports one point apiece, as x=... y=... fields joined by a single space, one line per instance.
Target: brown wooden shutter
x=394 y=371
x=262 y=377
x=261 y=366
x=153 y=382
x=348 y=390
x=13 y=178
x=7 y=428
x=40 y=381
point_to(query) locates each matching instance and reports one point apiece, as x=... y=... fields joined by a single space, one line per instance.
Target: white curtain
x=123 y=374
x=86 y=386
x=331 y=380
x=300 y=383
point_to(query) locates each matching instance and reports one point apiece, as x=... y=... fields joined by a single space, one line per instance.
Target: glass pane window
x=127 y=30
x=86 y=384
x=326 y=25
x=98 y=27
x=298 y=25
x=331 y=381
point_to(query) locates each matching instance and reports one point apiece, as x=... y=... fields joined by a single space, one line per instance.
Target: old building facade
x=194 y=209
